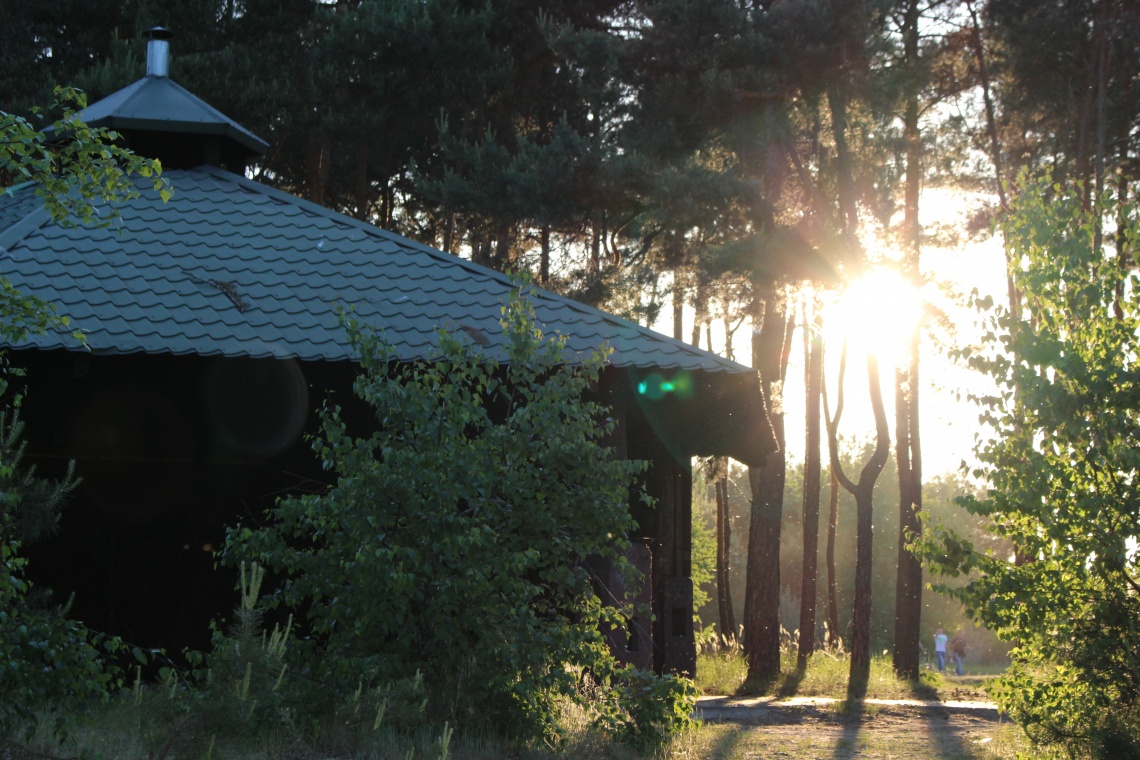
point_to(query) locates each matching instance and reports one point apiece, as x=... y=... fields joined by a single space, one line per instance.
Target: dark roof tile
x=230 y=267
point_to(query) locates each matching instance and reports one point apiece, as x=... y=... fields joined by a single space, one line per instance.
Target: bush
x=456 y=539
x=1063 y=468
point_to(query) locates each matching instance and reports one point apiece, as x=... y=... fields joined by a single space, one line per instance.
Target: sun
x=876 y=314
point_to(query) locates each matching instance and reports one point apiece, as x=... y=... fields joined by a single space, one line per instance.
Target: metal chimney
x=158 y=52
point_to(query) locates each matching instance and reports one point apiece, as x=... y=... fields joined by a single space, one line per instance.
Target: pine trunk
x=544 y=260
x=595 y=248
x=832 y=581
x=701 y=307
x=979 y=50
x=908 y=579
x=316 y=170
x=723 y=517
x=864 y=493
x=861 y=617
x=762 y=593
x=908 y=582
x=813 y=350
x=678 y=306
x=723 y=553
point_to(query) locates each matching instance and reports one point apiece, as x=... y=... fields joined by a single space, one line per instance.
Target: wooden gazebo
x=212 y=335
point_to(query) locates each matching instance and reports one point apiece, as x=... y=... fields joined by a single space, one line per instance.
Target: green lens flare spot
x=653 y=385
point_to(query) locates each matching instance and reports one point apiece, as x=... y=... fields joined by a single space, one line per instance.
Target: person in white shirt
x=940 y=639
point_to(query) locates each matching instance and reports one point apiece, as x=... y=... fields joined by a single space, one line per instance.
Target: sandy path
x=814 y=728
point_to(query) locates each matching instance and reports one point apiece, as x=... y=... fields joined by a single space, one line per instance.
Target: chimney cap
x=158 y=52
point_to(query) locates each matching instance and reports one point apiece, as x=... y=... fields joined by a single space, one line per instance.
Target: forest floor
x=959 y=723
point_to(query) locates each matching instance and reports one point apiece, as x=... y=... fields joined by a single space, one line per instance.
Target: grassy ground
x=725 y=673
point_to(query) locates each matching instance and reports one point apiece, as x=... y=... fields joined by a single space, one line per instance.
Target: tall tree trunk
x=651 y=308
x=596 y=232
x=724 y=552
x=770 y=349
x=979 y=47
x=504 y=243
x=362 y=184
x=678 y=305
x=544 y=260
x=848 y=205
x=1103 y=54
x=908 y=582
x=863 y=491
x=1014 y=294
x=723 y=515
x=1123 y=254
x=908 y=579
x=701 y=309
x=832 y=581
x=448 y=231
x=813 y=380
x=1103 y=62
x=728 y=352
x=316 y=170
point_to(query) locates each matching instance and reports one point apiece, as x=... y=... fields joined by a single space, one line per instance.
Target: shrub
x=456 y=538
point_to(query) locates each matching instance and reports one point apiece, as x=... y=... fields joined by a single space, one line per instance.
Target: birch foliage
x=1063 y=468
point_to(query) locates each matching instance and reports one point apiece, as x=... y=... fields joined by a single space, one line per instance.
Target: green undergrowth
x=248 y=698
x=138 y=726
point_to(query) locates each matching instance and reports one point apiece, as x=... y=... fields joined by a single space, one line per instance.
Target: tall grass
x=722 y=669
x=137 y=725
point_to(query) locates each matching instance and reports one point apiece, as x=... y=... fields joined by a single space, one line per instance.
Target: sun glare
x=876 y=314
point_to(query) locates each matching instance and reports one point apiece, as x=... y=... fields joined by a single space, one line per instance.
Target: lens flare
x=877 y=314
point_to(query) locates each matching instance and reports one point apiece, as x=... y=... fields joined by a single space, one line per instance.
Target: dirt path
x=811 y=728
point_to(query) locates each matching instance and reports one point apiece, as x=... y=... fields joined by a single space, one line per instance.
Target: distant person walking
x=958 y=649
x=940 y=639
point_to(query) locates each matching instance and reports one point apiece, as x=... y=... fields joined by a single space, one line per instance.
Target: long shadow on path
x=728 y=746
x=948 y=741
x=854 y=713
x=791 y=685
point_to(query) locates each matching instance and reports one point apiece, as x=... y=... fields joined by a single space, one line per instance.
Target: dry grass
x=725 y=672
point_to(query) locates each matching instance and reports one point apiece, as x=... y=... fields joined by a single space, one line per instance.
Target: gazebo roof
x=232 y=267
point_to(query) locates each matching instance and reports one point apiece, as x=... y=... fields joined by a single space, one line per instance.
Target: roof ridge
x=36 y=217
x=19 y=186
x=229 y=123
x=128 y=93
x=454 y=260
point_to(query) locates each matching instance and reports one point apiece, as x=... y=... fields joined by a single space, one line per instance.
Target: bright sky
x=948 y=421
